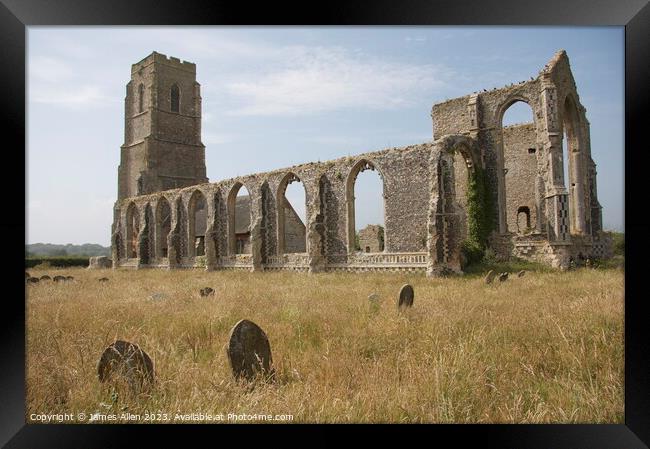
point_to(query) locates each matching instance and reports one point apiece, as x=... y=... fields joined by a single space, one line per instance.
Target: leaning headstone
x=249 y=351
x=45 y=277
x=406 y=296
x=103 y=279
x=33 y=280
x=99 y=262
x=127 y=360
x=207 y=291
x=503 y=277
x=59 y=278
x=158 y=296
x=521 y=273
x=490 y=277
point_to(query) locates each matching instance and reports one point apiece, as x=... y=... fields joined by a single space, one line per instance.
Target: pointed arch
x=163 y=220
x=174 y=98
x=360 y=166
x=292 y=235
x=132 y=230
x=512 y=145
x=239 y=220
x=573 y=164
x=197 y=217
x=140 y=97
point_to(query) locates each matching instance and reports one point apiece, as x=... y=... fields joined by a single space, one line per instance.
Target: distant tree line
x=54 y=250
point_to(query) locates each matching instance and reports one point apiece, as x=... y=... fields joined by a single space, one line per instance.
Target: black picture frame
x=16 y=15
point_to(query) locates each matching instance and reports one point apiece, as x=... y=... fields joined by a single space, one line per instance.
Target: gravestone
x=103 y=279
x=490 y=277
x=249 y=351
x=59 y=278
x=99 y=262
x=503 y=277
x=373 y=297
x=33 y=280
x=158 y=296
x=69 y=278
x=521 y=273
x=45 y=277
x=207 y=291
x=127 y=360
x=406 y=296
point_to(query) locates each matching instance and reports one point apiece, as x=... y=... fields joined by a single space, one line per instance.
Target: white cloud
x=69 y=97
x=319 y=79
x=45 y=68
x=209 y=138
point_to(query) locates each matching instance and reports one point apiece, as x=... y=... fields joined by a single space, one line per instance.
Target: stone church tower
x=162 y=147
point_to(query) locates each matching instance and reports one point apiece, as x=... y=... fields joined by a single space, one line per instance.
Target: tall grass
x=547 y=347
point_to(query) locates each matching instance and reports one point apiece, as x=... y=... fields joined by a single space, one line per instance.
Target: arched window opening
x=132 y=230
x=292 y=215
x=164 y=224
x=366 y=209
x=461 y=185
x=174 y=98
x=519 y=169
x=572 y=169
x=198 y=224
x=141 y=98
x=239 y=220
x=523 y=220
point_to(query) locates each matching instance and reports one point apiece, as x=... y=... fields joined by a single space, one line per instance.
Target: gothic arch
x=163 y=220
x=361 y=165
x=132 y=230
x=501 y=197
x=280 y=208
x=232 y=203
x=572 y=124
x=197 y=223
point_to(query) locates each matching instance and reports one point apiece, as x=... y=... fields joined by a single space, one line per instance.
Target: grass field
x=547 y=347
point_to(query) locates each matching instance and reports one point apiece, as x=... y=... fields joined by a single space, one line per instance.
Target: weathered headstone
x=99 y=262
x=207 y=291
x=490 y=277
x=127 y=360
x=158 y=296
x=103 y=279
x=249 y=351
x=59 y=278
x=45 y=277
x=406 y=296
x=373 y=297
x=521 y=273
x=503 y=277
x=33 y=280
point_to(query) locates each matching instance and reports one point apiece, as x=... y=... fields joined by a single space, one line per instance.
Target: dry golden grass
x=547 y=347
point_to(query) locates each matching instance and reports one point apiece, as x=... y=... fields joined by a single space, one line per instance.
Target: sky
x=273 y=97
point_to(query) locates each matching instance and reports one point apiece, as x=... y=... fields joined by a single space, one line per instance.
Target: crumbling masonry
x=169 y=216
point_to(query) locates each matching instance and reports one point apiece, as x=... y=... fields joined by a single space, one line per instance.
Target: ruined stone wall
x=424 y=186
x=370 y=239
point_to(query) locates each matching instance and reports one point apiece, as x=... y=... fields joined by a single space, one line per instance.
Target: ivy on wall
x=480 y=220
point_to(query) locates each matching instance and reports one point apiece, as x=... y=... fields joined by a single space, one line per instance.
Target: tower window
x=140 y=98
x=174 y=98
x=532 y=150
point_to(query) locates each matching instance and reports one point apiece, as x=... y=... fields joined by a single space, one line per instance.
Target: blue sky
x=279 y=96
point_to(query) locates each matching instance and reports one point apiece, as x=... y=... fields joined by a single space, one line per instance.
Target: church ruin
x=475 y=174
